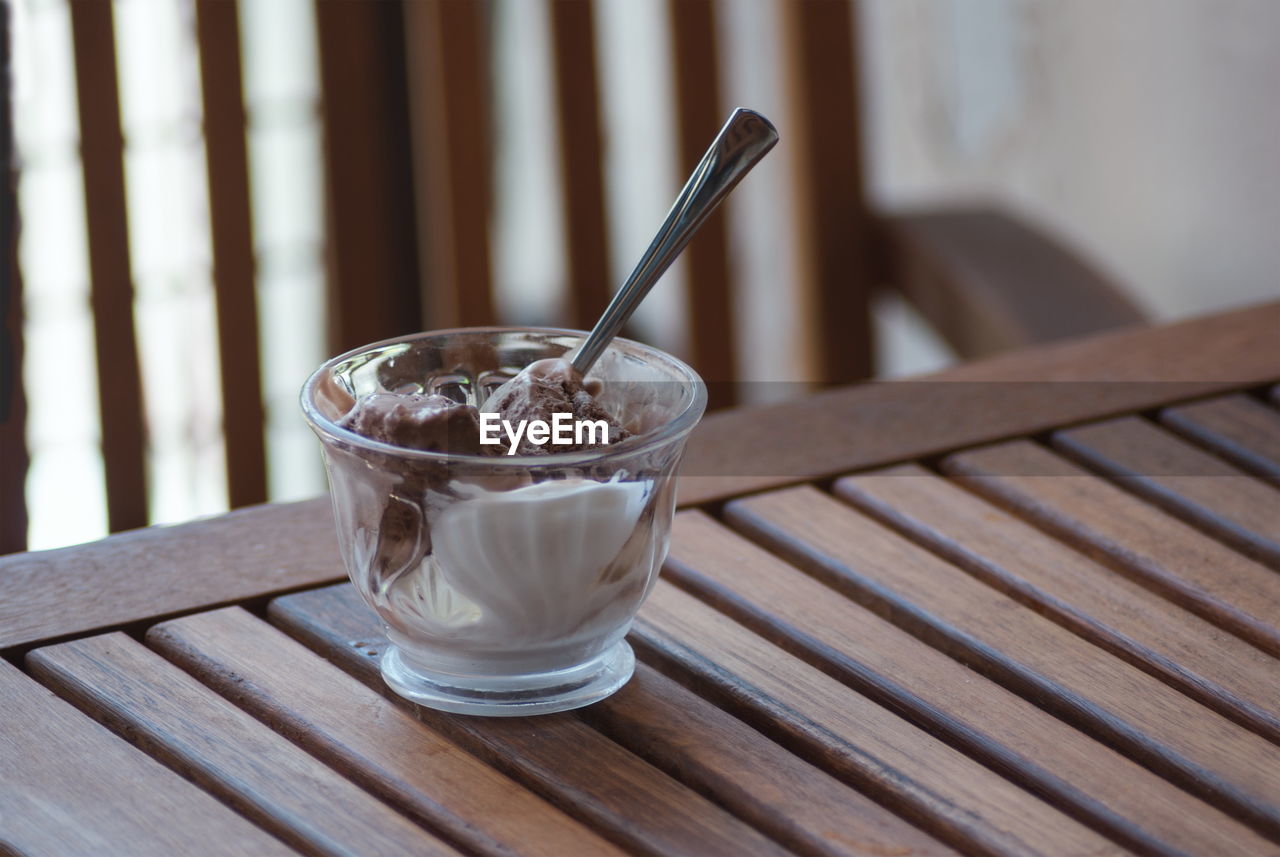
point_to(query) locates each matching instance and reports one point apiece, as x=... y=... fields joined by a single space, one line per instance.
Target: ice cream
x=427 y=422
x=430 y=423
x=403 y=553
x=439 y=424
x=553 y=560
x=543 y=389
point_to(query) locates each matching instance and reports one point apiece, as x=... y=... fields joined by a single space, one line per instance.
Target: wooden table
x=1027 y=606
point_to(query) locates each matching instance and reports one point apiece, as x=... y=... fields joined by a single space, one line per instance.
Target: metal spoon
x=739 y=146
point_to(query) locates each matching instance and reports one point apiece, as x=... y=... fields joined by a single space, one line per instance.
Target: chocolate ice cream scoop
x=542 y=390
x=427 y=422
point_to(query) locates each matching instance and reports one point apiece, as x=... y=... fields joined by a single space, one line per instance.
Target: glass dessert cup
x=506 y=583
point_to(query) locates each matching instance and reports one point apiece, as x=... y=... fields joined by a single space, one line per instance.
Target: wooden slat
x=447 y=44
x=636 y=806
x=1129 y=535
x=989 y=282
x=110 y=271
x=823 y=86
x=371 y=223
x=13 y=416
x=696 y=96
x=1165 y=731
x=790 y=800
x=581 y=161
x=1239 y=428
x=13 y=402
x=1038 y=389
x=71 y=787
x=150 y=573
x=230 y=219
x=212 y=742
x=369 y=741
x=1091 y=782
x=1185 y=481
x=1219 y=670
x=841 y=731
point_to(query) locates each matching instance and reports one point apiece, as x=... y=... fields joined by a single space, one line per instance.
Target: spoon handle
x=739 y=146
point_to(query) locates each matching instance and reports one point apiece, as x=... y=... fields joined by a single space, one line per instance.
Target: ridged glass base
x=511 y=696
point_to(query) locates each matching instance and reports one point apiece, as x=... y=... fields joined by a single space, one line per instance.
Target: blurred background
x=1141 y=136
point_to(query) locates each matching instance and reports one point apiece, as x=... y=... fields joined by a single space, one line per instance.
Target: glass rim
x=671 y=430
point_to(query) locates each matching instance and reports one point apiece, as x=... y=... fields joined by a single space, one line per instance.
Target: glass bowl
x=506 y=583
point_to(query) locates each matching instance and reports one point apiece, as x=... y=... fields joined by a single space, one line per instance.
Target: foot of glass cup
x=511 y=695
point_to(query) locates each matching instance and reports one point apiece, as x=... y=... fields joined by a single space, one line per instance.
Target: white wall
x=1146 y=131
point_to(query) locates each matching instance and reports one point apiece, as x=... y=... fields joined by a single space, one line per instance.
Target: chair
x=407 y=142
